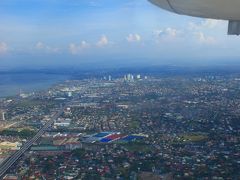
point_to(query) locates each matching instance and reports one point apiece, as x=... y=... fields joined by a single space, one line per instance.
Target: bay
x=12 y=83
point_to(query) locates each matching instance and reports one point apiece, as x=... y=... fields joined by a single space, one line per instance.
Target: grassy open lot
x=21 y=132
x=193 y=137
x=139 y=147
x=134 y=124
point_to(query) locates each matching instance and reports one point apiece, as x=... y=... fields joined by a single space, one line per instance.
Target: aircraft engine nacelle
x=214 y=9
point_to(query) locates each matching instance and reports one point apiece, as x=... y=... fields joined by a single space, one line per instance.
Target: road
x=14 y=157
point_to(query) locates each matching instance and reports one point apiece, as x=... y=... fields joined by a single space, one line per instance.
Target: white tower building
x=2 y=116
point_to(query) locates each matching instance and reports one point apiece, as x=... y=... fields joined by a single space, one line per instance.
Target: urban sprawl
x=130 y=127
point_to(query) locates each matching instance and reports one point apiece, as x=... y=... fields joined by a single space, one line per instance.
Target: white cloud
x=3 y=47
x=103 y=41
x=84 y=45
x=52 y=50
x=202 y=30
x=39 y=45
x=44 y=47
x=211 y=23
x=167 y=35
x=94 y=3
x=207 y=24
x=168 y=32
x=133 y=38
x=75 y=49
x=202 y=38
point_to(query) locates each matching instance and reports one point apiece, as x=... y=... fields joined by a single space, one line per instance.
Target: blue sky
x=106 y=32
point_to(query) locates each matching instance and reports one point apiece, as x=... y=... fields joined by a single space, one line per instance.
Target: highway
x=14 y=157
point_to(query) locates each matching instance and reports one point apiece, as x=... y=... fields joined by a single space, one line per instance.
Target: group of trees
x=25 y=133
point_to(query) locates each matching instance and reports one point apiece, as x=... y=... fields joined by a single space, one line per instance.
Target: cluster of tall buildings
x=127 y=77
x=131 y=77
x=109 y=78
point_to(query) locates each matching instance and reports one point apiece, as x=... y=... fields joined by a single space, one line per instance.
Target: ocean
x=12 y=83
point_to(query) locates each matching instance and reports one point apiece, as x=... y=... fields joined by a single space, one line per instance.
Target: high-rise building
x=132 y=77
x=69 y=94
x=129 y=76
x=125 y=77
x=2 y=115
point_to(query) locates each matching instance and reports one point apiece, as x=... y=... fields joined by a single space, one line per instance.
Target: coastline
x=11 y=84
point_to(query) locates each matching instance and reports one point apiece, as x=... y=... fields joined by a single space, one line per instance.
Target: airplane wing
x=214 y=9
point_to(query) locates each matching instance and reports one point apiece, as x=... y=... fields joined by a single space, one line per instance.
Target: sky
x=102 y=33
